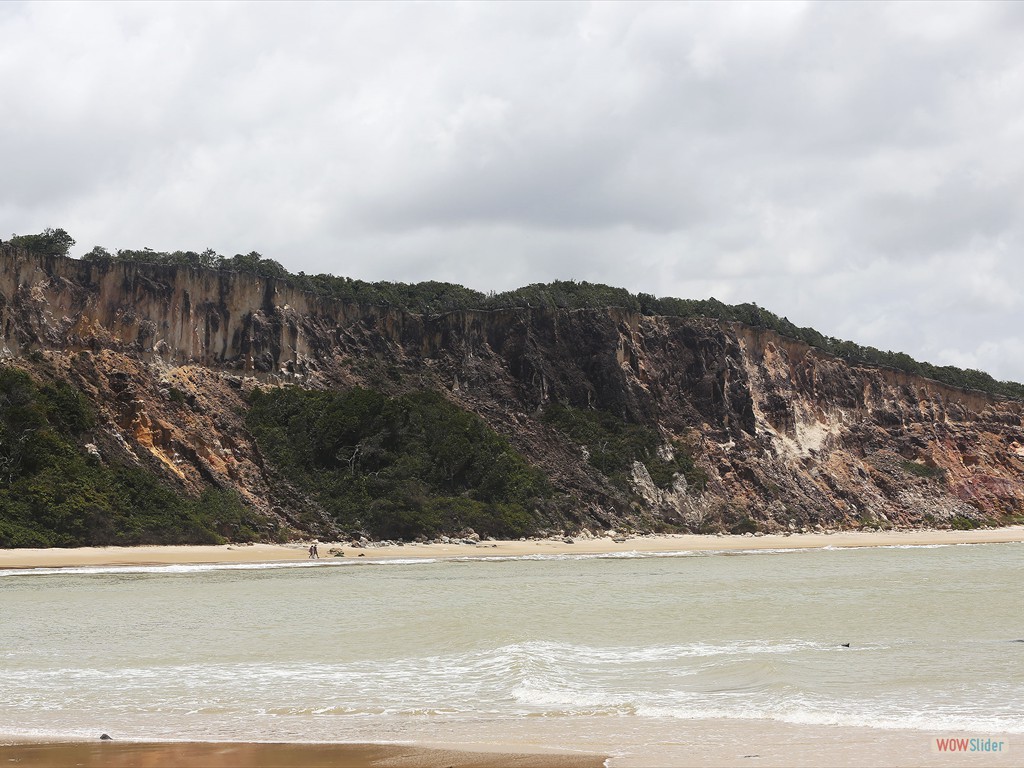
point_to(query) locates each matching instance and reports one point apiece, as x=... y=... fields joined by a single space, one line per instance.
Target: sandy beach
x=695 y=744
x=113 y=754
x=264 y=553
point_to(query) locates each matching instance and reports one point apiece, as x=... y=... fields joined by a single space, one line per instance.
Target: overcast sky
x=856 y=167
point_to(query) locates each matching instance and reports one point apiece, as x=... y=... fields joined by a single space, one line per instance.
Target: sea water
x=585 y=652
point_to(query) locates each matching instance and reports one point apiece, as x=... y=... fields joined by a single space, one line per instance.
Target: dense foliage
x=613 y=445
x=51 y=242
x=401 y=467
x=437 y=297
x=923 y=470
x=55 y=494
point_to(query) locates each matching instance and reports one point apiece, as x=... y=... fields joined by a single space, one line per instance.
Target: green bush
x=397 y=467
x=614 y=444
x=53 y=494
x=963 y=523
x=923 y=470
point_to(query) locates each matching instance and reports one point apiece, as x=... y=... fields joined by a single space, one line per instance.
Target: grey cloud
x=855 y=167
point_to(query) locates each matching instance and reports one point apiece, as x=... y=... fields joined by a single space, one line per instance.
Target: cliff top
x=436 y=298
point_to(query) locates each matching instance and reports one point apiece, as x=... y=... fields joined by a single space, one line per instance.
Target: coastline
x=118 y=754
x=641 y=544
x=703 y=743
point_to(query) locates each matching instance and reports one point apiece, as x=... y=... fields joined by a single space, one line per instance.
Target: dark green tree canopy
x=397 y=467
x=54 y=493
x=51 y=242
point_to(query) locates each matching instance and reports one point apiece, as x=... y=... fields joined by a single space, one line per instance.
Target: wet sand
x=692 y=744
x=114 y=754
x=262 y=553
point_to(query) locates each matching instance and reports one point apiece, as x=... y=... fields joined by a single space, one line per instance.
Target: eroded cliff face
x=788 y=436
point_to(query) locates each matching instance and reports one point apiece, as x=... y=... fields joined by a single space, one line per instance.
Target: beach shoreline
x=721 y=743
x=122 y=754
x=639 y=544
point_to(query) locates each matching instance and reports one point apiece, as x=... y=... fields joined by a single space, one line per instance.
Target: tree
x=255 y=264
x=99 y=255
x=49 y=242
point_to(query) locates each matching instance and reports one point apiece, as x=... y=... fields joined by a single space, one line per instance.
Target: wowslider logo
x=965 y=745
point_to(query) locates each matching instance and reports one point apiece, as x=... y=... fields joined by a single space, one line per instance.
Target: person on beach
x=313 y=553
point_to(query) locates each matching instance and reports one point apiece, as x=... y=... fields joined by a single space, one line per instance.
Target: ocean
x=615 y=654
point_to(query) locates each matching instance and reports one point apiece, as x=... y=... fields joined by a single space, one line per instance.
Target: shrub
x=923 y=470
x=613 y=444
x=53 y=494
x=397 y=467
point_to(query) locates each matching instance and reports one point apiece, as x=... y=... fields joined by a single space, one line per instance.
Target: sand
x=263 y=553
x=115 y=754
x=693 y=744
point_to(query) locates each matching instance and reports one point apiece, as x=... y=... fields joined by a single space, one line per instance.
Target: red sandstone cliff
x=788 y=436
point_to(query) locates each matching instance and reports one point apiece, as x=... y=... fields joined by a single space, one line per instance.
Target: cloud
x=855 y=167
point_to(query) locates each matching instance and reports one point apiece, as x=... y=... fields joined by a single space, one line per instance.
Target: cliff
x=783 y=435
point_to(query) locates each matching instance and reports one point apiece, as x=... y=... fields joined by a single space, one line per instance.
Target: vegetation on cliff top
x=397 y=468
x=54 y=493
x=437 y=297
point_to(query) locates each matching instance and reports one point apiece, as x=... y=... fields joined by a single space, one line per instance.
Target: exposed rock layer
x=788 y=435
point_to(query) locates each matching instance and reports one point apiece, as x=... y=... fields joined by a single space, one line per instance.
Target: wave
x=96 y=570
x=747 y=680
x=99 y=570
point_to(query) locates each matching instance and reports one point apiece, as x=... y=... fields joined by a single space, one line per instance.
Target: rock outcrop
x=788 y=436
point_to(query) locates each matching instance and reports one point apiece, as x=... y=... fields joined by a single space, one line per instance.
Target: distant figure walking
x=313 y=554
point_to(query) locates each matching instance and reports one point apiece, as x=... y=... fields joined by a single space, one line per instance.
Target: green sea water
x=577 y=651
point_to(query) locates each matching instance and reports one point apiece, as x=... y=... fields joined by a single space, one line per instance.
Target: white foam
x=99 y=570
x=397 y=561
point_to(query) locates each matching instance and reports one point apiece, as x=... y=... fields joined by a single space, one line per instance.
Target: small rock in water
x=106 y=737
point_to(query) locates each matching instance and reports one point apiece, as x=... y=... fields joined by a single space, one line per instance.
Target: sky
x=855 y=167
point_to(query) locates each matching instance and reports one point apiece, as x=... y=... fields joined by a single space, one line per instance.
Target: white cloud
x=855 y=167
